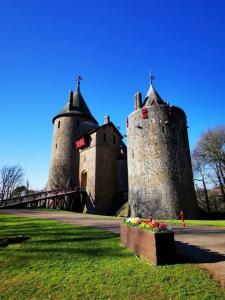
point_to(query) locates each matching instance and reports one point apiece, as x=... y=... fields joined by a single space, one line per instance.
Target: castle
x=159 y=168
x=88 y=155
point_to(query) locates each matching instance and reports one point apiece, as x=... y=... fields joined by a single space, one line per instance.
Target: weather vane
x=152 y=77
x=79 y=78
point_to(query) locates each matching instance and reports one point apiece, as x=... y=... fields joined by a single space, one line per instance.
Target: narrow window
x=78 y=123
x=163 y=129
x=104 y=137
x=59 y=124
x=56 y=145
x=114 y=139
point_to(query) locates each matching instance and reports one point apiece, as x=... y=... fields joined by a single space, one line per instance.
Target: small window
x=104 y=137
x=78 y=123
x=59 y=124
x=114 y=139
x=56 y=145
x=163 y=129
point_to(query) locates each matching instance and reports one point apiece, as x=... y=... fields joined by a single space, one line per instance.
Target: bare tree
x=212 y=148
x=61 y=178
x=200 y=168
x=11 y=177
x=209 y=160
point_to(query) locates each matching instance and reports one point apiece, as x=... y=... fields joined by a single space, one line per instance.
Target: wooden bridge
x=67 y=198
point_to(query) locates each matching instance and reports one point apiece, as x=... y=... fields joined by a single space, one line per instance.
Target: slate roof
x=76 y=106
x=152 y=97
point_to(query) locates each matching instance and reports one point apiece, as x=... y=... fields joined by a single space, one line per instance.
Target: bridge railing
x=40 y=195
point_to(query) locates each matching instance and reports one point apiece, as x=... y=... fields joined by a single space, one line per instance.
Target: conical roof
x=76 y=105
x=152 y=97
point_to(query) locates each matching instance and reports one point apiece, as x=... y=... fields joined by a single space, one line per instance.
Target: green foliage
x=146 y=224
x=62 y=261
x=220 y=223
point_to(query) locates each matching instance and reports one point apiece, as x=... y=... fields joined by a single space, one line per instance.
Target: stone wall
x=88 y=164
x=107 y=152
x=159 y=166
x=105 y=173
x=122 y=175
x=64 y=158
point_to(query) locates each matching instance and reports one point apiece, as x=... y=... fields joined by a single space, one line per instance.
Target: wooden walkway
x=55 y=195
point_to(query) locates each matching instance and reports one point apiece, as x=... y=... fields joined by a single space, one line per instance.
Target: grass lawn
x=220 y=223
x=63 y=261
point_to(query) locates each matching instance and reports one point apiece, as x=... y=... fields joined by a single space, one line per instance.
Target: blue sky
x=113 y=44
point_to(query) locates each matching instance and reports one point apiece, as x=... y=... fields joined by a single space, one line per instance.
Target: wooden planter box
x=158 y=248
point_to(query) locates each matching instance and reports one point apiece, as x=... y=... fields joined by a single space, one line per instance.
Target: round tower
x=75 y=119
x=159 y=165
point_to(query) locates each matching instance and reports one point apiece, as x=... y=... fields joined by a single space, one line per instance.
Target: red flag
x=144 y=113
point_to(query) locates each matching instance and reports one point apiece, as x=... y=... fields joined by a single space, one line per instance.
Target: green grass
x=220 y=223
x=62 y=261
x=50 y=210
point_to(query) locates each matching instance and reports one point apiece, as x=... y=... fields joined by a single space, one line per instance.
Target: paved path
x=203 y=245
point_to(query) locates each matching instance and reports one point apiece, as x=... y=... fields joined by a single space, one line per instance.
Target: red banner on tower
x=81 y=143
x=144 y=113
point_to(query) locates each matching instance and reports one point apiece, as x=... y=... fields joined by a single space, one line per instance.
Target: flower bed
x=152 y=240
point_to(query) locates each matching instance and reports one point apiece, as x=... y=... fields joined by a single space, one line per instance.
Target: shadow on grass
x=50 y=237
x=73 y=248
x=60 y=231
x=61 y=240
x=103 y=252
x=74 y=239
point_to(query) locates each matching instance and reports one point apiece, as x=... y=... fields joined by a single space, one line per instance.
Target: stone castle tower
x=75 y=119
x=90 y=156
x=159 y=166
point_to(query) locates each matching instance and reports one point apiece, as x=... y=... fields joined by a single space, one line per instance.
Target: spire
x=152 y=97
x=76 y=104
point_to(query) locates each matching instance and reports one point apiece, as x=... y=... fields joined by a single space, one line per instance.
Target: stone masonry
x=74 y=120
x=94 y=157
x=99 y=161
x=159 y=165
x=88 y=155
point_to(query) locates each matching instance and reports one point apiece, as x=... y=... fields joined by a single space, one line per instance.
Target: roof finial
x=79 y=78
x=152 y=77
